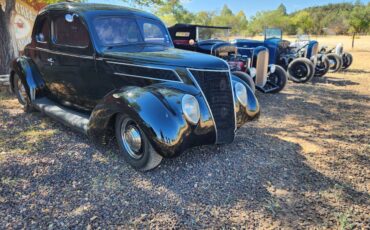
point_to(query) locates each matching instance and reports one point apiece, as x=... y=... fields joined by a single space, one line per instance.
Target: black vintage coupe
x=106 y=70
x=247 y=63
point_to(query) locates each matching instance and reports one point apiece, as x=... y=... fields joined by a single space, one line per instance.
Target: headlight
x=252 y=71
x=190 y=108
x=241 y=93
x=272 y=68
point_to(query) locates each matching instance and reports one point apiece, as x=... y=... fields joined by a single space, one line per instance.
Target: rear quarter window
x=70 y=33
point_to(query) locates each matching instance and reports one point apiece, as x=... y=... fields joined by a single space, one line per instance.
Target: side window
x=42 y=34
x=69 y=33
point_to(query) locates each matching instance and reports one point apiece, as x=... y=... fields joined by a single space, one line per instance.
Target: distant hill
x=329 y=19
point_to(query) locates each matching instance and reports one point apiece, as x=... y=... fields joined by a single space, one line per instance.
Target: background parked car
x=299 y=63
x=339 y=59
x=253 y=61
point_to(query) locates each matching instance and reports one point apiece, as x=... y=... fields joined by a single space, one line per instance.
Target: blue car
x=299 y=61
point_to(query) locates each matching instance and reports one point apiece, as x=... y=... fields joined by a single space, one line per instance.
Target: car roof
x=86 y=8
x=180 y=25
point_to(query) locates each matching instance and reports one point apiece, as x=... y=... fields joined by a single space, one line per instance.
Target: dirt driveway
x=304 y=164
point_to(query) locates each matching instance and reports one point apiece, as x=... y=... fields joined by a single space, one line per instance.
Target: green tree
x=359 y=20
x=172 y=12
x=282 y=9
x=204 y=18
x=303 y=21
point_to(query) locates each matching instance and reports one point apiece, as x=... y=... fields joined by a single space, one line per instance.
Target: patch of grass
x=343 y=220
x=33 y=134
x=273 y=206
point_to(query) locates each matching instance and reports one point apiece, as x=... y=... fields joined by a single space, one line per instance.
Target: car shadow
x=333 y=81
x=356 y=71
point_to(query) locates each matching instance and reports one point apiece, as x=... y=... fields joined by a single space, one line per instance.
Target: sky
x=250 y=7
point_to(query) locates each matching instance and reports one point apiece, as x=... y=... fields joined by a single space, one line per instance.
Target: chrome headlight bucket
x=252 y=72
x=272 y=68
x=190 y=108
x=241 y=93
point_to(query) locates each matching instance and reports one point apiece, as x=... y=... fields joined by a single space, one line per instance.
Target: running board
x=75 y=120
x=269 y=87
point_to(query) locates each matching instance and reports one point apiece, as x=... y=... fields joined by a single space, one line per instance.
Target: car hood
x=158 y=55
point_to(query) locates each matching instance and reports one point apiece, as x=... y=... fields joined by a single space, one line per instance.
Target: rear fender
x=29 y=75
x=157 y=110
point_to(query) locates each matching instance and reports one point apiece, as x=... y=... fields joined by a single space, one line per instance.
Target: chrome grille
x=216 y=87
x=261 y=68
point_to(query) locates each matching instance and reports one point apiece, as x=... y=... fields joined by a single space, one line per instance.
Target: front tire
x=301 y=70
x=335 y=62
x=347 y=60
x=134 y=145
x=278 y=78
x=322 y=66
x=247 y=79
x=21 y=93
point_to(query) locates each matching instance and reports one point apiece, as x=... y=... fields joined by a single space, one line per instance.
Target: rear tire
x=322 y=66
x=347 y=59
x=335 y=62
x=301 y=70
x=279 y=78
x=21 y=93
x=134 y=145
x=247 y=79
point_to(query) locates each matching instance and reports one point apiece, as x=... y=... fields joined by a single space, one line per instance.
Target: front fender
x=26 y=69
x=157 y=110
x=251 y=111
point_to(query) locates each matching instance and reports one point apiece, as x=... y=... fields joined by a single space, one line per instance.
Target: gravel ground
x=304 y=164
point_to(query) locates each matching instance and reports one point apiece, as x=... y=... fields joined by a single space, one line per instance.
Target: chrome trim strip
x=210 y=70
x=204 y=96
x=149 y=67
x=63 y=53
x=137 y=76
x=232 y=90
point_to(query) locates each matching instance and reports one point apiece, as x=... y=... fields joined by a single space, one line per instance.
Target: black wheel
x=247 y=79
x=322 y=66
x=134 y=145
x=21 y=93
x=347 y=60
x=278 y=78
x=335 y=62
x=301 y=70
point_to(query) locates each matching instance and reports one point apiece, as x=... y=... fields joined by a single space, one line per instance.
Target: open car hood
x=158 y=55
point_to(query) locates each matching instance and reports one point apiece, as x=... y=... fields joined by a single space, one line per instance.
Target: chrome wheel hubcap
x=131 y=139
x=21 y=91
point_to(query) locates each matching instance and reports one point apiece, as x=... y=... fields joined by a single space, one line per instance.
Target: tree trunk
x=353 y=40
x=7 y=52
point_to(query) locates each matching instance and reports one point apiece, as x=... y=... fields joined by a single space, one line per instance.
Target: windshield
x=212 y=33
x=273 y=33
x=118 y=31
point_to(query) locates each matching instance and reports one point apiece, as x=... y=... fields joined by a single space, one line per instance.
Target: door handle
x=51 y=61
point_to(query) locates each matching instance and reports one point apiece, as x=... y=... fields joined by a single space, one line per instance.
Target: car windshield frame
x=139 y=23
x=273 y=33
x=226 y=29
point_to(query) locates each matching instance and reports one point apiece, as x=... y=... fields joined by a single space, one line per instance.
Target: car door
x=72 y=61
x=39 y=51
